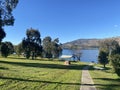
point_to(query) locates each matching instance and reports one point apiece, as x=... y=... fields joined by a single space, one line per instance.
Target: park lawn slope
x=105 y=79
x=19 y=74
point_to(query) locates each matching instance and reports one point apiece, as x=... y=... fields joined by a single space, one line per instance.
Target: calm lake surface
x=87 y=55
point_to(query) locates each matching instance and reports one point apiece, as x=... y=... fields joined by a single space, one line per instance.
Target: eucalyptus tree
x=56 y=48
x=104 y=52
x=6 y=17
x=115 y=57
x=52 y=49
x=32 y=43
x=47 y=47
x=108 y=48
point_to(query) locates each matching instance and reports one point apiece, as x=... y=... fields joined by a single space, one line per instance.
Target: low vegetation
x=105 y=79
x=20 y=73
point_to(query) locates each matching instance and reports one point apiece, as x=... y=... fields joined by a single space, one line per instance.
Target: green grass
x=105 y=79
x=22 y=74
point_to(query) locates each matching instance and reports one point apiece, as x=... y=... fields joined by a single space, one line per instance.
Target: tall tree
x=104 y=52
x=56 y=48
x=7 y=48
x=47 y=47
x=6 y=17
x=52 y=49
x=114 y=57
x=108 y=48
x=32 y=44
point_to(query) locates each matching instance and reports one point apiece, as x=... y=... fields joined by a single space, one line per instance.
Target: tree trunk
x=104 y=65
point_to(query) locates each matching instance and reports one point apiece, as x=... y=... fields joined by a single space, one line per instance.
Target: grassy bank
x=21 y=74
x=105 y=79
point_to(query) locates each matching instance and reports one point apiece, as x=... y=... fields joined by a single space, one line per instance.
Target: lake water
x=87 y=55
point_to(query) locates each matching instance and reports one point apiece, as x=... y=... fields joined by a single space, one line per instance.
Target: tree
x=6 y=49
x=32 y=44
x=114 y=57
x=104 y=52
x=102 y=58
x=56 y=48
x=52 y=49
x=47 y=47
x=115 y=60
x=6 y=17
x=106 y=47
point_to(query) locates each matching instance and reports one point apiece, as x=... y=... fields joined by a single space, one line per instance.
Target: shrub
x=115 y=61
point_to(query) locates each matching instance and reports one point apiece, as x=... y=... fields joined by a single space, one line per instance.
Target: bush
x=115 y=61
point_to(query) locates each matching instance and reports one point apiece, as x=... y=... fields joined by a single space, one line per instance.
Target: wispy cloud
x=116 y=25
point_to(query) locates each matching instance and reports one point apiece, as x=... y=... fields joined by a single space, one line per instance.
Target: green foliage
x=102 y=58
x=115 y=61
x=2 y=34
x=6 y=49
x=105 y=79
x=52 y=49
x=32 y=44
x=47 y=47
x=110 y=49
x=6 y=17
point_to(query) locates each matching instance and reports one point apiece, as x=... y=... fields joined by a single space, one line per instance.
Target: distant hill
x=86 y=43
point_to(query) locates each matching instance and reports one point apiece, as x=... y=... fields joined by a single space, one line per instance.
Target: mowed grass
x=22 y=74
x=105 y=79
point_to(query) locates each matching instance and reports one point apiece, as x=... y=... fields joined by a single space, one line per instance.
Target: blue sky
x=66 y=19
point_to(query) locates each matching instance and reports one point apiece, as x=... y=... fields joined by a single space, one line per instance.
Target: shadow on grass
x=3 y=68
x=106 y=86
x=19 y=58
x=42 y=65
x=24 y=58
x=109 y=79
x=47 y=82
x=115 y=84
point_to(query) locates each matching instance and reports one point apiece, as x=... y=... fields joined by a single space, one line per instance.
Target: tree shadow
x=43 y=65
x=19 y=58
x=39 y=59
x=3 y=68
x=41 y=81
x=113 y=86
x=109 y=79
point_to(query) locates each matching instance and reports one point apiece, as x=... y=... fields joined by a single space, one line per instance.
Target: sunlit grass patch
x=105 y=79
x=20 y=73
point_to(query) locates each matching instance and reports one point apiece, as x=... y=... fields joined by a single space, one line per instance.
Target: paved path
x=86 y=81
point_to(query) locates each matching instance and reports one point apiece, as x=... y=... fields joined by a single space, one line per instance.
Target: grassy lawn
x=105 y=79
x=21 y=74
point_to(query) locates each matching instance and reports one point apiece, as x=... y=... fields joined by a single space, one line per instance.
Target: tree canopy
x=7 y=48
x=6 y=17
x=51 y=49
x=32 y=44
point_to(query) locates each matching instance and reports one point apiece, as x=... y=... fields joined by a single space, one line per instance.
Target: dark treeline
x=33 y=46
